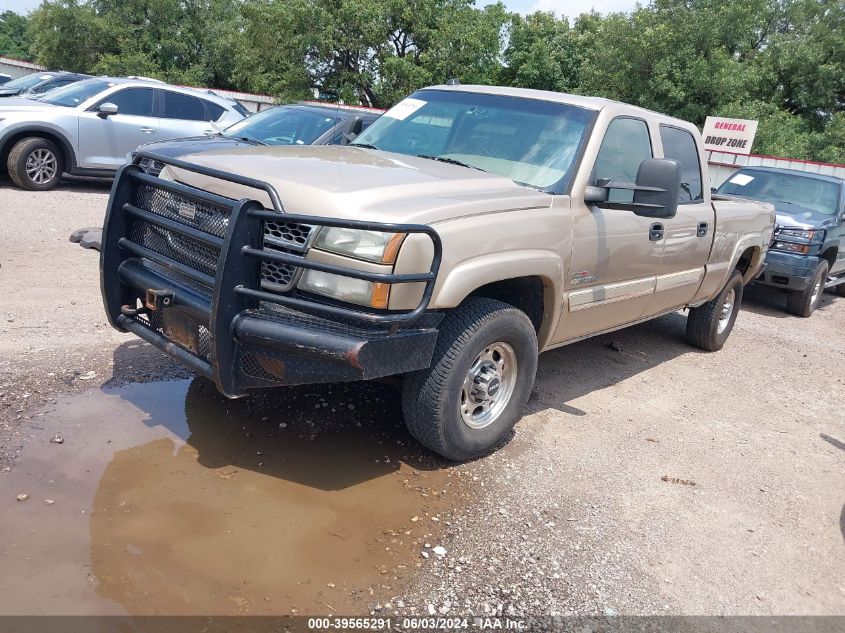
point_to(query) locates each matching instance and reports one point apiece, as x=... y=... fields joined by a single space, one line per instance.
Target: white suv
x=88 y=127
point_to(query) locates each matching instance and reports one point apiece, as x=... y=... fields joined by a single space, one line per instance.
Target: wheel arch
x=830 y=254
x=47 y=133
x=527 y=280
x=748 y=263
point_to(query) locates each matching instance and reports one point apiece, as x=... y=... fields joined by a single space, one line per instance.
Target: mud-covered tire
x=804 y=302
x=35 y=164
x=709 y=325
x=433 y=400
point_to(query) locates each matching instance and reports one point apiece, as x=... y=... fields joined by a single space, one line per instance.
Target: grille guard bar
x=236 y=286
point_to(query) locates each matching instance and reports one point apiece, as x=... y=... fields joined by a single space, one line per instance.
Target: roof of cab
x=589 y=103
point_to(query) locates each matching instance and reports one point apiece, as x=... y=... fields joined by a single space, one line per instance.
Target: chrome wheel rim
x=41 y=166
x=488 y=385
x=727 y=311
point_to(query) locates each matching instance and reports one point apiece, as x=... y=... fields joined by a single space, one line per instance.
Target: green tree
x=66 y=34
x=368 y=51
x=542 y=53
x=15 y=39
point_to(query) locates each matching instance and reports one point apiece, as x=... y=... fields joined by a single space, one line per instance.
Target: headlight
x=800 y=233
x=371 y=246
x=344 y=288
x=791 y=247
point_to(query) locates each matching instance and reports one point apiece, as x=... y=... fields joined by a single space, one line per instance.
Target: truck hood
x=358 y=183
x=801 y=217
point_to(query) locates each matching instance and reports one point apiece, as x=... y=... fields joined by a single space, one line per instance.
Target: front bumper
x=200 y=294
x=789 y=271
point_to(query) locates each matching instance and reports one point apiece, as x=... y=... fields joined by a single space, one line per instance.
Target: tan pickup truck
x=465 y=231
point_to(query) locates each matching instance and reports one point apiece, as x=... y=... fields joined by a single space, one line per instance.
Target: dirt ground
x=646 y=478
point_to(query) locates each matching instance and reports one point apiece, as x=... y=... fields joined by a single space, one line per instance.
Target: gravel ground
x=53 y=331
x=646 y=477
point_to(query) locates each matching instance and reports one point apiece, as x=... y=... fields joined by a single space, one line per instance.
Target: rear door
x=184 y=115
x=105 y=141
x=689 y=235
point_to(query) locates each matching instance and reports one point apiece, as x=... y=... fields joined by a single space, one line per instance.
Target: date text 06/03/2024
x=415 y=623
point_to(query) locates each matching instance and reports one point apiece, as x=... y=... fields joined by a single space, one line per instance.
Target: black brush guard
x=227 y=327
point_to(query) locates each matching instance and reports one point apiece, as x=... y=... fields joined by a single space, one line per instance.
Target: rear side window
x=133 y=101
x=215 y=111
x=626 y=144
x=680 y=145
x=182 y=106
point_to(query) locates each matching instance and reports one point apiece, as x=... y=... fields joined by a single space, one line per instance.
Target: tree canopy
x=779 y=61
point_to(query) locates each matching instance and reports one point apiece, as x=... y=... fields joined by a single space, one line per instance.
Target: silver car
x=88 y=127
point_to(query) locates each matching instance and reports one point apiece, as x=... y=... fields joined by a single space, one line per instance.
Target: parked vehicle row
x=294 y=124
x=808 y=251
x=466 y=230
x=36 y=84
x=88 y=127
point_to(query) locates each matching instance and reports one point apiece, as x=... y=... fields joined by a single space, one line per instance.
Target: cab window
x=626 y=144
x=680 y=145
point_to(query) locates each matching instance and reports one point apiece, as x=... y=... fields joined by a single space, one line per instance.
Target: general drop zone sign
x=729 y=135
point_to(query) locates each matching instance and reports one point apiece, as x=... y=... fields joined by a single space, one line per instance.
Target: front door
x=104 y=142
x=611 y=278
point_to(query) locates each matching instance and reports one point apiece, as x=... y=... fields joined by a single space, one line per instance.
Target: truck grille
x=289 y=237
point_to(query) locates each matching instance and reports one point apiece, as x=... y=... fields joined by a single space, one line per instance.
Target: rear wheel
x=804 y=302
x=709 y=325
x=35 y=164
x=480 y=378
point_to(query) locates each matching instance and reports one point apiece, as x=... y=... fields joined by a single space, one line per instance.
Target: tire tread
x=423 y=393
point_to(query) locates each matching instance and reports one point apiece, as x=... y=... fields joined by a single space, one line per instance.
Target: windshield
x=532 y=142
x=74 y=94
x=285 y=125
x=803 y=191
x=27 y=81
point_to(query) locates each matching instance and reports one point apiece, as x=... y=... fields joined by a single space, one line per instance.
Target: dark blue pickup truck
x=807 y=254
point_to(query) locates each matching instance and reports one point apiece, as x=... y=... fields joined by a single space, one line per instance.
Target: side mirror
x=655 y=190
x=106 y=110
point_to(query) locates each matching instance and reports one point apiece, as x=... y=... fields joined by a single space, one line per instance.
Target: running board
x=834 y=281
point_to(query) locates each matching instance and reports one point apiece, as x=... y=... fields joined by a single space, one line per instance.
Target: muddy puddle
x=168 y=499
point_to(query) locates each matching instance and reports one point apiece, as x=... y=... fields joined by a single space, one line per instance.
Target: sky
x=570 y=8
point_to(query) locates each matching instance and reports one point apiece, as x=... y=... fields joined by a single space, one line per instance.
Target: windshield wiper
x=451 y=161
x=250 y=140
x=364 y=145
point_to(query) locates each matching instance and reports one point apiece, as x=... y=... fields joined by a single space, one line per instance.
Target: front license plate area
x=181 y=329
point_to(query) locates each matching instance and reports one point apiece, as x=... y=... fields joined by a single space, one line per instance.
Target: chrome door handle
x=147 y=130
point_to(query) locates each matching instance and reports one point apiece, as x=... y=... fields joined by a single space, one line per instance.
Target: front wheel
x=480 y=378
x=804 y=302
x=709 y=325
x=35 y=164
